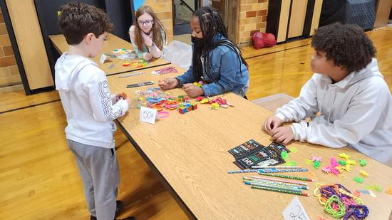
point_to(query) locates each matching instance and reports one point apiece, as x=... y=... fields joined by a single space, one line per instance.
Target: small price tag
x=295 y=211
x=103 y=58
x=148 y=115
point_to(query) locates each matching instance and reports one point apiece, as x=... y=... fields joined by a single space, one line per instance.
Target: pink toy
x=316 y=159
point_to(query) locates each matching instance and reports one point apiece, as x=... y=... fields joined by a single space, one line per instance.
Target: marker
x=140 y=84
x=130 y=74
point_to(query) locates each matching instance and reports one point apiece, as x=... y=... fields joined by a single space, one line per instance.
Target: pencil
x=140 y=84
x=276 y=167
x=277 y=180
x=243 y=171
x=280 y=190
x=274 y=170
x=275 y=187
x=288 y=177
x=279 y=184
x=130 y=74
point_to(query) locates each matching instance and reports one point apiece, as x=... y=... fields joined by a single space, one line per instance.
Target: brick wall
x=252 y=18
x=9 y=73
x=164 y=10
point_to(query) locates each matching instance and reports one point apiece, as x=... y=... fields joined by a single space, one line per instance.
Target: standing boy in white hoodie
x=89 y=106
x=349 y=93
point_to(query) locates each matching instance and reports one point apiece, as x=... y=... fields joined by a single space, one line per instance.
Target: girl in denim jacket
x=216 y=60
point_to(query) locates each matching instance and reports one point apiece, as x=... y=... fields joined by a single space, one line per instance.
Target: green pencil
x=288 y=177
x=280 y=190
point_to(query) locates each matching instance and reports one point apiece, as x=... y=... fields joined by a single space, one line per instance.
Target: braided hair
x=211 y=23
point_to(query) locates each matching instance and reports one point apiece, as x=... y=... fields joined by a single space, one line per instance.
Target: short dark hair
x=77 y=19
x=346 y=44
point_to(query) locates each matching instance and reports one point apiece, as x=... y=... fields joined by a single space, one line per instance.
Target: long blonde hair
x=157 y=28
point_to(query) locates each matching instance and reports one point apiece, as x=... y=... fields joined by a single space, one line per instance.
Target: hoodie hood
x=371 y=70
x=67 y=68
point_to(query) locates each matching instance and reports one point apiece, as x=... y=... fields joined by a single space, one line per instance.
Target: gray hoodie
x=87 y=101
x=355 y=112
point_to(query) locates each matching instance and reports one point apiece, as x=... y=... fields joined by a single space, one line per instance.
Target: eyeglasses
x=146 y=22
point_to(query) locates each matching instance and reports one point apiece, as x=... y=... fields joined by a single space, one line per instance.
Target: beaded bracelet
x=163 y=114
x=158 y=107
x=338 y=200
x=359 y=211
x=357 y=200
x=171 y=105
x=341 y=209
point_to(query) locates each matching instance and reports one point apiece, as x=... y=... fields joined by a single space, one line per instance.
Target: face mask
x=197 y=42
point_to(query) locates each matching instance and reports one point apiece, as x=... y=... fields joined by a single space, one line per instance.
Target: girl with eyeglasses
x=147 y=34
x=216 y=60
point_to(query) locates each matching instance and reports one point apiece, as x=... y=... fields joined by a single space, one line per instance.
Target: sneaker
x=127 y=218
x=118 y=208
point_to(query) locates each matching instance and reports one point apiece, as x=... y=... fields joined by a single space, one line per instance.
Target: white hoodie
x=87 y=101
x=355 y=112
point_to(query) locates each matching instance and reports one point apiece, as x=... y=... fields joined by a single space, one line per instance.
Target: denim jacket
x=226 y=75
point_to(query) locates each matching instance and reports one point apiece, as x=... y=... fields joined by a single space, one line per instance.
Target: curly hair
x=77 y=19
x=346 y=44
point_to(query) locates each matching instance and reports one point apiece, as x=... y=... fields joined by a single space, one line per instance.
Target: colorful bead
x=342 y=162
x=284 y=155
x=375 y=187
x=326 y=170
x=357 y=193
x=363 y=173
x=215 y=106
x=316 y=159
x=316 y=164
x=291 y=163
x=358 y=179
x=293 y=149
x=350 y=162
x=344 y=155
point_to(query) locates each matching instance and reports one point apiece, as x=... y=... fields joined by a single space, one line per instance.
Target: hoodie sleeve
x=302 y=107
x=113 y=98
x=363 y=114
x=101 y=100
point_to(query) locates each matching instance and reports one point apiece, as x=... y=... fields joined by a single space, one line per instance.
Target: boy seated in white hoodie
x=349 y=93
x=89 y=106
